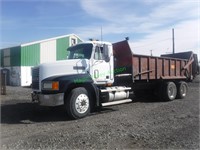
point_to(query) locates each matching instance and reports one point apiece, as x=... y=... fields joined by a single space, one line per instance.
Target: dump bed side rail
x=151 y=68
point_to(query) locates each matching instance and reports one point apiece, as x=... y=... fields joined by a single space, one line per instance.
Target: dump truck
x=98 y=74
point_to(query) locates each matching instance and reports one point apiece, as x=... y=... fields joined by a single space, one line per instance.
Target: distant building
x=20 y=59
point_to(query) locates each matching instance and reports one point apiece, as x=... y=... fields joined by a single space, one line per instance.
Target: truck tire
x=182 y=89
x=170 y=91
x=77 y=103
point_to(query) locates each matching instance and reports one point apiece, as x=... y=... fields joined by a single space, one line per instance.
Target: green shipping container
x=61 y=48
x=15 y=56
x=30 y=55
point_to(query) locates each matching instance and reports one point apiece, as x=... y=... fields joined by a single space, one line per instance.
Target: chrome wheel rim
x=82 y=103
x=171 y=92
x=183 y=90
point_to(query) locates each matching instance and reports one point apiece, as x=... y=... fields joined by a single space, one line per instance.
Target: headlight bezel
x=50 y=85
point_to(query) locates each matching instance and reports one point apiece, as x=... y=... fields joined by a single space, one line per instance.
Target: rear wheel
x=182 y=89
x=170 y=91
x=77 y=103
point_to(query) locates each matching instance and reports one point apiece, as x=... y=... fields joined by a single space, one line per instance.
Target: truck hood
x=65 y=67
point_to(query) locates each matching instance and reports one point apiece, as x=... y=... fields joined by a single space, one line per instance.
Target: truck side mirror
x=106 y=53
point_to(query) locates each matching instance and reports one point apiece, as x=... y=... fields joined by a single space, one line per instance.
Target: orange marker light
x=55 y=85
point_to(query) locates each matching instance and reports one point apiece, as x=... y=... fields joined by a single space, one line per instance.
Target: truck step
x=116 y=102
x=116 y=89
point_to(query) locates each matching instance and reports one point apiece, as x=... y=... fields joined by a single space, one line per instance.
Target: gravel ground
x=143 y=124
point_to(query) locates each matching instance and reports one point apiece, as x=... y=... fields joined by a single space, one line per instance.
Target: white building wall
x=20 y=76
x=48 y=51
x=26 y=78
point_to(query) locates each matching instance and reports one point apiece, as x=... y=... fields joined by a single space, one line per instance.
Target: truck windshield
x=82 y=51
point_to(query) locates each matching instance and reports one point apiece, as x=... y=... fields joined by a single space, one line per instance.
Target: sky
x=147 y=23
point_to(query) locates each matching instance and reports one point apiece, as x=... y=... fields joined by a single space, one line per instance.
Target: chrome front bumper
x=49 y=99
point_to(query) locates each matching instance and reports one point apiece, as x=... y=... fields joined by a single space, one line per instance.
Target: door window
x=99 y=54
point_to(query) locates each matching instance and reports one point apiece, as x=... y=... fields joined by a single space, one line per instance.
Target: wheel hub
x=183 y=90
x=171 y=92
x=82 y=103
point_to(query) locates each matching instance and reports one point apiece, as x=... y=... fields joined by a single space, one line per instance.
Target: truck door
x=102 y=65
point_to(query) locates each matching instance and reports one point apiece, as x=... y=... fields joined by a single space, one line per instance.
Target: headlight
x=54 y=85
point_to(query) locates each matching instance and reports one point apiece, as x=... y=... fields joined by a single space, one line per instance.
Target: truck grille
x=35 y=78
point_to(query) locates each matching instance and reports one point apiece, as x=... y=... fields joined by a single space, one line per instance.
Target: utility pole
x=101 y=34
x=151 y=52
x=173 y=43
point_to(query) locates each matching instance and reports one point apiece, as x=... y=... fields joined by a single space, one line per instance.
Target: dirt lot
x=143 y=124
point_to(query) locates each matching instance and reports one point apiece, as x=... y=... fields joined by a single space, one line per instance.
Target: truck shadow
x=29 y=113
x=146 y=98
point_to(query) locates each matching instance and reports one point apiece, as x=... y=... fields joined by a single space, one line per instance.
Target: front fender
x=65 y=82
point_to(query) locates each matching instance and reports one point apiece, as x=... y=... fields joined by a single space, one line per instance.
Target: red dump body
x=143 y=67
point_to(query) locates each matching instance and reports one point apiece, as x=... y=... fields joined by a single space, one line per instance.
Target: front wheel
x=78 y=103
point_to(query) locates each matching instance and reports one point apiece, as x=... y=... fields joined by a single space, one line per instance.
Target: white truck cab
x=72 y=82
